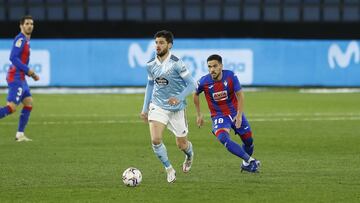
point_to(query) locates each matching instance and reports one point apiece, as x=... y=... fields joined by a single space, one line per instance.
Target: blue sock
x=231 y=146
x=4 y=111
x=189 y=150
x=248 y=149
x=161 y=153
x=248 y=145
x=24 y=118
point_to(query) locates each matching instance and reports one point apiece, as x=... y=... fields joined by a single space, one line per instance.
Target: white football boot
x=20 y=137
x=171 y=174
x=187 y=163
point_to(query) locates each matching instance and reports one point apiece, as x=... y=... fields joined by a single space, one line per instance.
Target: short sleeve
x=182 y=69
x=199 y=88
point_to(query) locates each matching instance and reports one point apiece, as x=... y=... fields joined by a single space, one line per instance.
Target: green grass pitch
x=309 y=146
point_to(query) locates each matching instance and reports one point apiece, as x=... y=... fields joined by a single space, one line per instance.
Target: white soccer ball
x=132 y=177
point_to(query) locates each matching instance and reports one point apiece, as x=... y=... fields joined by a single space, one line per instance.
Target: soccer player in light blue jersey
x=169 y=82
x=19 y=91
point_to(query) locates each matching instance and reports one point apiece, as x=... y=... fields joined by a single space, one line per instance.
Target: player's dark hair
x=165 y=34
x=25 y=17
x=215 y=57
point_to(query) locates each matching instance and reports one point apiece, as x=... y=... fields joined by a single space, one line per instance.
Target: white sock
x=18 y=134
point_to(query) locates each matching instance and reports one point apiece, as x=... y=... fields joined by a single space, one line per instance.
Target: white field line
x=248 y=115
x=284 y=119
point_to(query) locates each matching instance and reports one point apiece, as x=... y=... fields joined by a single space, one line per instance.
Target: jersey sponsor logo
x=336 y=57
x=220 y=96
x=161 y=81
x=18 y=42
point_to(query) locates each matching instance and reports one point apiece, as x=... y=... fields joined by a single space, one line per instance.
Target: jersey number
x=219 y=120
x=20 y=90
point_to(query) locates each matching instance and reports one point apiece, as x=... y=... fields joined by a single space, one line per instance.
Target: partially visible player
x=169 y=82
x=18 y=89
x=226 y=101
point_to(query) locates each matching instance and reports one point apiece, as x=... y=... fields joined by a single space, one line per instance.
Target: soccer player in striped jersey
x=18 y=89
x=225 y=100
x=169 y=82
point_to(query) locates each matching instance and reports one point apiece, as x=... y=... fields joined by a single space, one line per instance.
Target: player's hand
x=199 y=120
x=173 y=101
x=144 y=116
x=35 y=77
x=32 y=74
x=238 y=121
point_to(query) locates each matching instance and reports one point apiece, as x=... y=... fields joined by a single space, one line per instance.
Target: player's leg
x=245 y=134
x=12 y=100
x=24 y=118
x=186 y=146
x=178 y=125
x=27 y=102
x=158 y=119
x=223 y=136
x=7 y=110
x=156 y=131
x=221 y=129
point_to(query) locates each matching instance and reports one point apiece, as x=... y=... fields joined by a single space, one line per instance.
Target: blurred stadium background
x=267 y=42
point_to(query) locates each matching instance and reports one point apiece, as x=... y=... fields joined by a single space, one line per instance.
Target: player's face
x=27 y=27
x=162 y=46
x=215 y=69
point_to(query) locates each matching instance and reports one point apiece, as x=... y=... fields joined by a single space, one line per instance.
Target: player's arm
x=16 y=61
x=240 y=98
x=190 y=87
x=199 y=116
x=147 y=97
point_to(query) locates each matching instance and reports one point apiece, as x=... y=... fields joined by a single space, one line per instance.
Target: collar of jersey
x=165 y=61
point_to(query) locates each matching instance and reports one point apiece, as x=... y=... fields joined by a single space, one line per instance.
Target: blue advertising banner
x=122 y=62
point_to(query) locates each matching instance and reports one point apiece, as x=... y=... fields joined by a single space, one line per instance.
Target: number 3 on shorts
x=20 y=90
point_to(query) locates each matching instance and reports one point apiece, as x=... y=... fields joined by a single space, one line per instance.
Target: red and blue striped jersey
x=19 y=58
x=220 y=95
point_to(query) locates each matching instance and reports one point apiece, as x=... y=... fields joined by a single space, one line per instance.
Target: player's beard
x=28 y=31
x=215 y=76
x=162 y=53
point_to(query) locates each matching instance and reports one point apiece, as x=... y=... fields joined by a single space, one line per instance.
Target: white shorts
x=174 y=120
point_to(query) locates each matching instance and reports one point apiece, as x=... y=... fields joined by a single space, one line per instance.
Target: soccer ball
x=132 y=177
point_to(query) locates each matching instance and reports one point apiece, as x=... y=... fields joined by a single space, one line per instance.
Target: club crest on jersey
x=161 y=81
x=220 y=96
x=225 y=83
x=18 y=42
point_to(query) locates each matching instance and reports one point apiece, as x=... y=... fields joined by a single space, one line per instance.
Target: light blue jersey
x=170 y=78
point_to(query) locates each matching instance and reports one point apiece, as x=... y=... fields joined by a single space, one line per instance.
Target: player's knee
x=12 y=107
x=223 y=137
x=156 y=141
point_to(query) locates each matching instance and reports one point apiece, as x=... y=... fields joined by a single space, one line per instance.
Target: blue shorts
x=228 y=122
x=18 y=92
